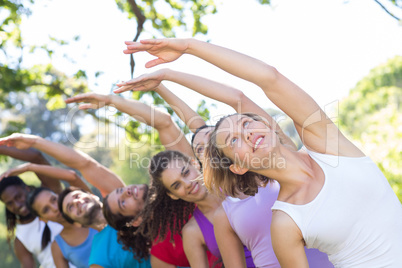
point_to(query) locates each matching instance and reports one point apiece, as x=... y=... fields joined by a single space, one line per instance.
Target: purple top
x=207 y=230
x=251 y=218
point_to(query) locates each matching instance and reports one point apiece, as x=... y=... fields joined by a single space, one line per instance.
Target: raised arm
x=230 y=246
x=33 y=156
x=95 y=173
x=69 y=176
x=214 y=90
x=169 y=133
x=152 y=81
x=316 y=130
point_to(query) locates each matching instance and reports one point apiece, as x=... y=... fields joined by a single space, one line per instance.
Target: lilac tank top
x=207 y=230
x=251 y=217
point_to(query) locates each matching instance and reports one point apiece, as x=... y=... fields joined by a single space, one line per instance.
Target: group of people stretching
x=240 y=195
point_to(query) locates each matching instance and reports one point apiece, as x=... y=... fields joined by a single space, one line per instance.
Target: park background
x=346 y=54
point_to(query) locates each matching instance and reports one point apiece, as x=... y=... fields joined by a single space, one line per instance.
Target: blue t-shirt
x=78 y=255
x=108 y=252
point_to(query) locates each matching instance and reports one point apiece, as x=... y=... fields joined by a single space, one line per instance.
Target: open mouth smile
x=257 y=141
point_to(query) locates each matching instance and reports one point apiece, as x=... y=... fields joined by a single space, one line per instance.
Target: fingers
x=154 y=62
x=6 y=141
x=86 y=106
x=80 y=98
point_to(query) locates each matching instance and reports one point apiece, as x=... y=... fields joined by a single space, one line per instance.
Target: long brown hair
x=219 y=179
x=162 y=213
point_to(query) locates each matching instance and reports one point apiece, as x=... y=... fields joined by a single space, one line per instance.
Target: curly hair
x=219 y=179
x=11 y=218
x=162 y=213
x=137 y=243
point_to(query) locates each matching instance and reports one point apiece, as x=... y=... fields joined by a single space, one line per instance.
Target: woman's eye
x=177 y=186
x=200 y=150
x=233 y=141
x=245 y=124
x=186 y=172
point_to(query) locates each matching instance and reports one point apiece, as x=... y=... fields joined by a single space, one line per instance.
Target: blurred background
x=346 y=54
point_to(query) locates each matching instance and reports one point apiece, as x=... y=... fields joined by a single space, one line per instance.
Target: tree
x=372 y=116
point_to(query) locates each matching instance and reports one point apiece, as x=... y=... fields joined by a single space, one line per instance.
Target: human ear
x=136 y=222
x=237 y=170
x=172 y=196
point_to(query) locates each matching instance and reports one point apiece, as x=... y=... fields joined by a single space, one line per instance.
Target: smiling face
x=82 y=207
x=14 y=197
x=181 y=181
x=247 y=142
x=129 y=200
x=200 y=142
x=45 y=205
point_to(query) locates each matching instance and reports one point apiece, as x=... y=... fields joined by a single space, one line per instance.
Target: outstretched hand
x=19 y=141
x=15 y=171
x=145 y=82
x=166 y=50
x=92 y=100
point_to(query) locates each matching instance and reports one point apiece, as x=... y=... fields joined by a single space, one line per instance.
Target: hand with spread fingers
x=166 y=50
x=145 y=82
x=91 y=100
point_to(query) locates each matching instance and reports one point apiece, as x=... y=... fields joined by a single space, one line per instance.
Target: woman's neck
x=209 y=203
x=296 y=169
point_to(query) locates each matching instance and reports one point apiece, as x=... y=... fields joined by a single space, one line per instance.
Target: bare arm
x=33 y=156
x=90 y=169
x=169 y=133
x=155 y=262
x=23 y=255
x=316 y=130
x=194 y=245
x=58 y=257
x=55 y=173
x=287 y=241
x=229 y=244
x=220 y=92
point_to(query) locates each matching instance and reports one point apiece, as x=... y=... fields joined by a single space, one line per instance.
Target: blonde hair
x=219 y=179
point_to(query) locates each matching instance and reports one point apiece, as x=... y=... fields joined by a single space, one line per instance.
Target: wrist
x=190 y=45
x=28 y=167
x=111 y=99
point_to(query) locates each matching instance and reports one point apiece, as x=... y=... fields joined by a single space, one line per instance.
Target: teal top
x=108 y=252
x=78 y=255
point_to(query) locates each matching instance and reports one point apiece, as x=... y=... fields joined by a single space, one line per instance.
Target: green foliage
x=169 y=15
x=131 y=161
x=372 y=116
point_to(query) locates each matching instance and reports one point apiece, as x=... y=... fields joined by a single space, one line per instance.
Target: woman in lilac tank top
x=198 y=232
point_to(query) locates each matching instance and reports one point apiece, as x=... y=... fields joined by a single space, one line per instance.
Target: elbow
x=238 y=98
x=74 y=176
x=163 y=121
x=270 y=75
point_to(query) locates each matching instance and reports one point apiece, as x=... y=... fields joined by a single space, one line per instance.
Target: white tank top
x=30 y=235
x=356 y=218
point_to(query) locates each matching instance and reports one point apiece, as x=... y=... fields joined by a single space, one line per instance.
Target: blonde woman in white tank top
x=332 y=196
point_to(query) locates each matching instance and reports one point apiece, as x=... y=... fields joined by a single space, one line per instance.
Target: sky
x=325 y=47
